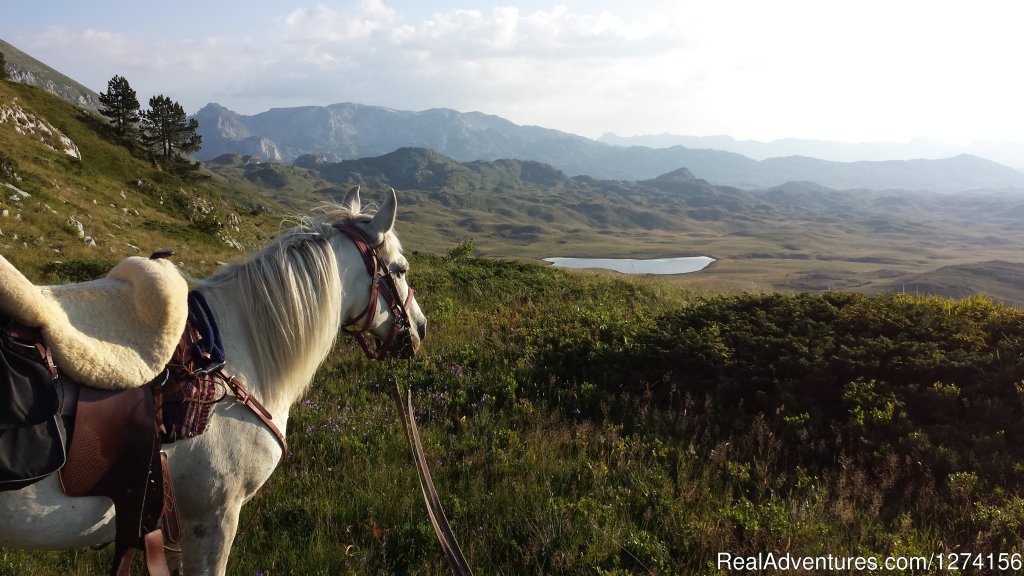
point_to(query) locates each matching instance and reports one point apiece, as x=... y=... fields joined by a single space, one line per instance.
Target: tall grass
x=586 y=424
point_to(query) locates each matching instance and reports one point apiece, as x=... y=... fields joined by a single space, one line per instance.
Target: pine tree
x=4 y=74
x=167 y=131
x=121 y=106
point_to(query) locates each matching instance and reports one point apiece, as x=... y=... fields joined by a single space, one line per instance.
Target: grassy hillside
x=125 y=204
x=580 y=424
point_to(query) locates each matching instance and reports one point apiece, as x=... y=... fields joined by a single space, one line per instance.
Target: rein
x=382 y=283
x=438 y=519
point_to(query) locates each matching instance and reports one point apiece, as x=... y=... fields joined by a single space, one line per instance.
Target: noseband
x=382 y=283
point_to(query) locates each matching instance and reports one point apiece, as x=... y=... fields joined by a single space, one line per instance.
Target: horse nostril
x=421 y=329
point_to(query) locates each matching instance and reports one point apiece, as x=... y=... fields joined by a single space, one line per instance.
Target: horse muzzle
x=405 y=345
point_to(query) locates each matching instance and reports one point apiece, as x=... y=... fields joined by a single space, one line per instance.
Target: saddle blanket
x=113 y=333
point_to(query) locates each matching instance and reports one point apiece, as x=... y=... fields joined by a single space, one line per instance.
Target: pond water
x=636 y=266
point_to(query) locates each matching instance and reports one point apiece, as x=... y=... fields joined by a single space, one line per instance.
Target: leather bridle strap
x=254 y=405
x=379 y=275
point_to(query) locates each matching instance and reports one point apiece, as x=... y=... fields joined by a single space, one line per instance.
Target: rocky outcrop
x=29 y=124
x=71 y=93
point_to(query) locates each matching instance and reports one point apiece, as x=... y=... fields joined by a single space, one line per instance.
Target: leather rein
x=382 y=284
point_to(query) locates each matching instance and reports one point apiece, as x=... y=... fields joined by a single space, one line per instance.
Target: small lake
x=637 y=266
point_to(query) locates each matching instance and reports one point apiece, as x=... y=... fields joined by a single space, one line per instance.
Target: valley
x=797 y=237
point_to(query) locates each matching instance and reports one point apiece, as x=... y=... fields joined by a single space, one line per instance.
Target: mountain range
x=347 y=131
x=1008 y=153
x=794 y=236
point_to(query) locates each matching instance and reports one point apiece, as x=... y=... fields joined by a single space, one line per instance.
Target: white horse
x=278 y=316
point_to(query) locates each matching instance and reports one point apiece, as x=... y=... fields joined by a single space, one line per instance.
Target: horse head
x=391 y=314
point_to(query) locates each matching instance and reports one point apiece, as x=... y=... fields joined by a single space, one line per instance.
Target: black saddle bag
x=32 y=435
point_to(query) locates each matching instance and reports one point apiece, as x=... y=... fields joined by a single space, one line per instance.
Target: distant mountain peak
x=802 y=187
x=213 y=107
x=680 y=175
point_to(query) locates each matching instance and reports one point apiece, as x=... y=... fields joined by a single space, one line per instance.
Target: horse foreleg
x=206 y=541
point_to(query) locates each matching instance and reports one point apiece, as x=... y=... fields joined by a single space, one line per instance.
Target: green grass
x=586 y=424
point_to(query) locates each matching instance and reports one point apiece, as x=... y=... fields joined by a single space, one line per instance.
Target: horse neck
x=276 y=350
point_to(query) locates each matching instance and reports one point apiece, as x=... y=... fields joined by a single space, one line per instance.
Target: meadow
x=585 y=424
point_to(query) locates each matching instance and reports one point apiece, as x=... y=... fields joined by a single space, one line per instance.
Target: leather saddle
x=114 y=337
x=113 y=333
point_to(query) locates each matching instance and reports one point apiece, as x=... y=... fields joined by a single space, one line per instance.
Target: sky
x=854 y=71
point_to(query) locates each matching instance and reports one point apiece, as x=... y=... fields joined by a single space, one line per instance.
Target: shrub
x=62 y=272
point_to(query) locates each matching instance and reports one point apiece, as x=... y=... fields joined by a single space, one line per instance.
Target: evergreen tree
x=4 y=74
x=167 y=131
x=121 y=106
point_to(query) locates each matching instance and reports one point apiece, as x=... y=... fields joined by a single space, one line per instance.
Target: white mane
x=291 y=297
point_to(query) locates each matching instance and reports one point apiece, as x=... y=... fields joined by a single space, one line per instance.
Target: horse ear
x=384 y=220
x=351 y=201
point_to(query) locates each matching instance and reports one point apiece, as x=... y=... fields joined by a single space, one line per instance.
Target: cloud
x=505 y=61
x=853 y=70
x=320 y=24
x=534 y=66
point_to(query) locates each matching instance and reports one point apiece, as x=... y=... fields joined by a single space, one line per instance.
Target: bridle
x=382 y=284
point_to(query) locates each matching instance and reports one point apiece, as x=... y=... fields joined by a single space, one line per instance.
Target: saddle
x=112 y=339
x=113 y=333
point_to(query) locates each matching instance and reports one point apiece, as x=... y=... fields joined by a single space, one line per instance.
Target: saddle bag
x=32 y=435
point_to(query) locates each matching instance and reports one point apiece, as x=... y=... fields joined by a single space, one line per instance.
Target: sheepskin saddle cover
x=113 y=333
